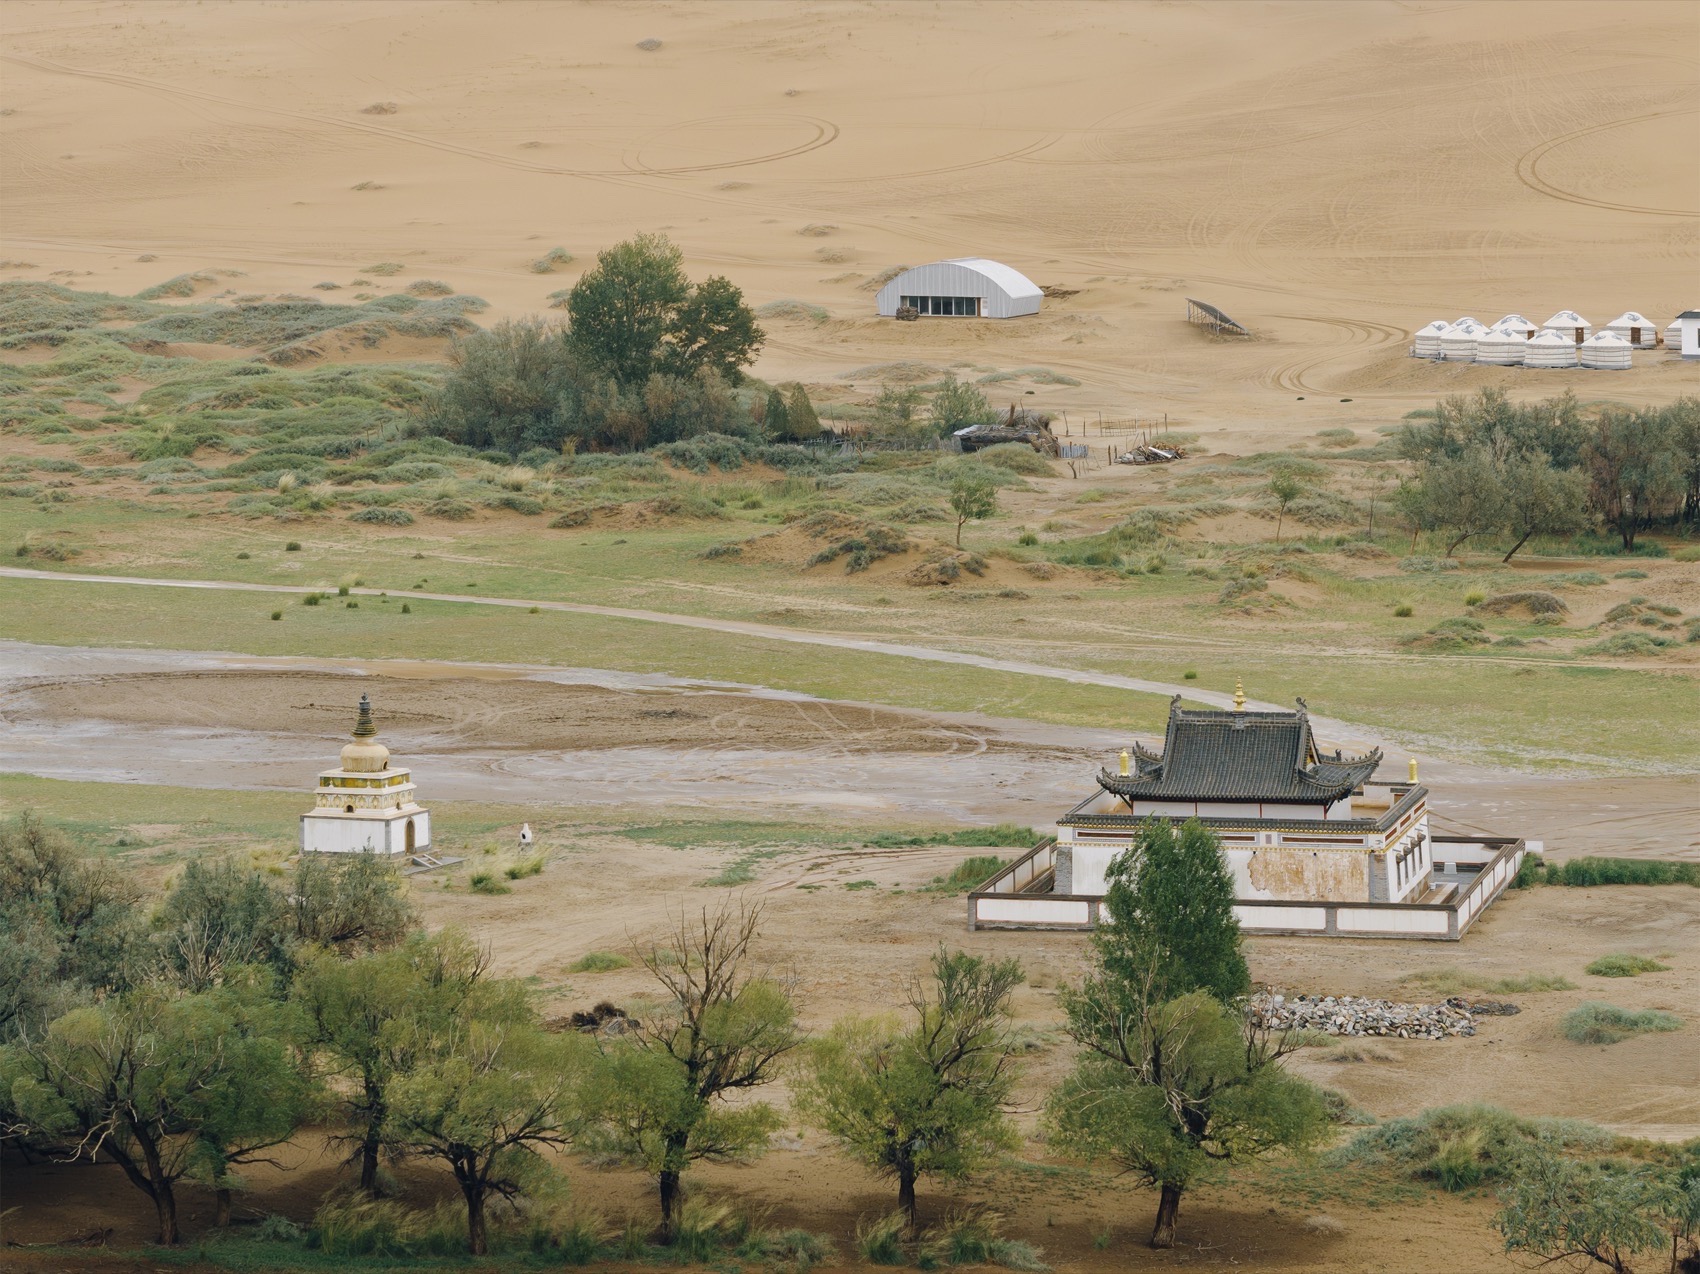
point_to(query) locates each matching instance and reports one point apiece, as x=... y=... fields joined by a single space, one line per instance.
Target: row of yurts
x=1564 y=340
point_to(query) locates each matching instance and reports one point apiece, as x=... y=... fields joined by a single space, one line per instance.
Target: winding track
x=1528 y=169
x=742 y=628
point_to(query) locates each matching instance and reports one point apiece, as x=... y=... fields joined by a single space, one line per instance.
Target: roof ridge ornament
x=364 y=728
x=1239 y=696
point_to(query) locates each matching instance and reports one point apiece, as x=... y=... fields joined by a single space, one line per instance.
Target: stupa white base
x=406 y=830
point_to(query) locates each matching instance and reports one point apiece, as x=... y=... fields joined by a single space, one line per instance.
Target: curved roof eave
x=1007 y=277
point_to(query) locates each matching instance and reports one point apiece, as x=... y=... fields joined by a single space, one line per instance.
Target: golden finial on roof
x=1239 y=696
x=363 y=725
x=1413 y=769
x=1124 y=762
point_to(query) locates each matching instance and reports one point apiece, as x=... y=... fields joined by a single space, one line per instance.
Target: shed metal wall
x=1007 y=296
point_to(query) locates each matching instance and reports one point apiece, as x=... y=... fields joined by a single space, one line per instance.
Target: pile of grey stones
x=1354 y=1015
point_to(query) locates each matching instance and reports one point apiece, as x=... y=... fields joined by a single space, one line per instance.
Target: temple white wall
x=380 y=833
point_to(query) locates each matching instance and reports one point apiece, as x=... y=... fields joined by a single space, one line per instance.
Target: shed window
x=945 y=306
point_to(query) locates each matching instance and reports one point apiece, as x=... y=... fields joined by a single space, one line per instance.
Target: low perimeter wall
x=1018 y=898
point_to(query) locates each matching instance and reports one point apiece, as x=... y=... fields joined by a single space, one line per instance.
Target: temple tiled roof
x=1240 y=756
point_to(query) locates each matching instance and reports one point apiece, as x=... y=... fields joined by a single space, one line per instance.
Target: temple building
x=1315 y=844
x=365 y=806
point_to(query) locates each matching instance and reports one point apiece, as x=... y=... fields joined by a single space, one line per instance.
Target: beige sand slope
x=1334 y=175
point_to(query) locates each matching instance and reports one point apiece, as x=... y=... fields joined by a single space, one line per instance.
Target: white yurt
x=1606 y=351
x=1468 y=318
x=1673 y=336
x=1427 y=339
x=1518 y=324
x=1550 y=348
x=1637 y=329
x=1570 y=323
x=1458 y=342
x=1501 y=347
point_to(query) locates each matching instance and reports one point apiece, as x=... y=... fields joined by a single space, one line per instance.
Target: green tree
x=973 y=496
x=928 y=1099
x=487 y=1092
x=659 y=1096
x=357 y=902
x=956 y=405
x=774 y=418
x=1560 y=1210
x=1634 y=470
x=1285 y=485
x=154 y=1079
x=622 y=307
x=713 y=330
x=220 y=917
x=1463 y=498
x=1539 y=499
x=1172 y=1090
x=1170 y=903
x=69 y=923
x=800 y=415
x=505 y=387
x=366 y=1019
x=894 y=412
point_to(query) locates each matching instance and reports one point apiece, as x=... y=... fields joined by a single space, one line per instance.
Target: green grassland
x=116 y=458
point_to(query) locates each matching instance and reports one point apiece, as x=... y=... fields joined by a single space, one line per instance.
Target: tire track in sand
x=826 y=132
x=1528 y=169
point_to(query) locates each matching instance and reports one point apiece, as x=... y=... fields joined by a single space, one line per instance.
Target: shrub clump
x=1627 y=646
x=598 y=962
x=1624 y=966
x=1586 y=872
x=383 y=517
x=1597 y=1023
x=450 y=509
x=1530 y=603
x=1459 y=1147
x=863 y=548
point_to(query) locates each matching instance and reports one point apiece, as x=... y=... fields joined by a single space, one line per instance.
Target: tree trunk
x=221 y=1213
x=669 y=1203
x=1168 y=1209
x=959 y=522
x=1520 y=543
x=906 y=1195
x=370 y=1142
x=165 y=1204
x=477 y=1237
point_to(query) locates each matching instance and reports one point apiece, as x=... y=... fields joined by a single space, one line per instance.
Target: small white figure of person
x=524 y=836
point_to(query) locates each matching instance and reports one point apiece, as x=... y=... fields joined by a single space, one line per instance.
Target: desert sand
x=1332 y=175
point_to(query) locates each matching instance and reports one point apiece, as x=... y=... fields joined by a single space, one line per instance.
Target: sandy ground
x=1334 y=176
x=588 y=737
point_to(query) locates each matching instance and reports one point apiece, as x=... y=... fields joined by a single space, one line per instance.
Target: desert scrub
x=1449 y=981
x=598 y=962
x=1588 y=872
x=1627 y=646
x=1624 y=966
x=863 y=549
x=551 y=261
x=1597 y=1023
x=532 y=865
x=486 y=882
x=970 y=873
x=1459 y=1147
x=383 y=517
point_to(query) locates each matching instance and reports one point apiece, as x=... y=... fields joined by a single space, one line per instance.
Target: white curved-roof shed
x=1636 y=328
x=996 y=290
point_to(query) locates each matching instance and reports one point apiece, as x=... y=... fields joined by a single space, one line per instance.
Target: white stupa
x=1639 y=330
x=1501 y=346
x=365 y=806
x=1427 y=339
x=1548 y=348
x=1606 y=351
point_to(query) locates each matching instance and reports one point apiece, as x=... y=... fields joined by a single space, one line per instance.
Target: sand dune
x=1333 y=175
